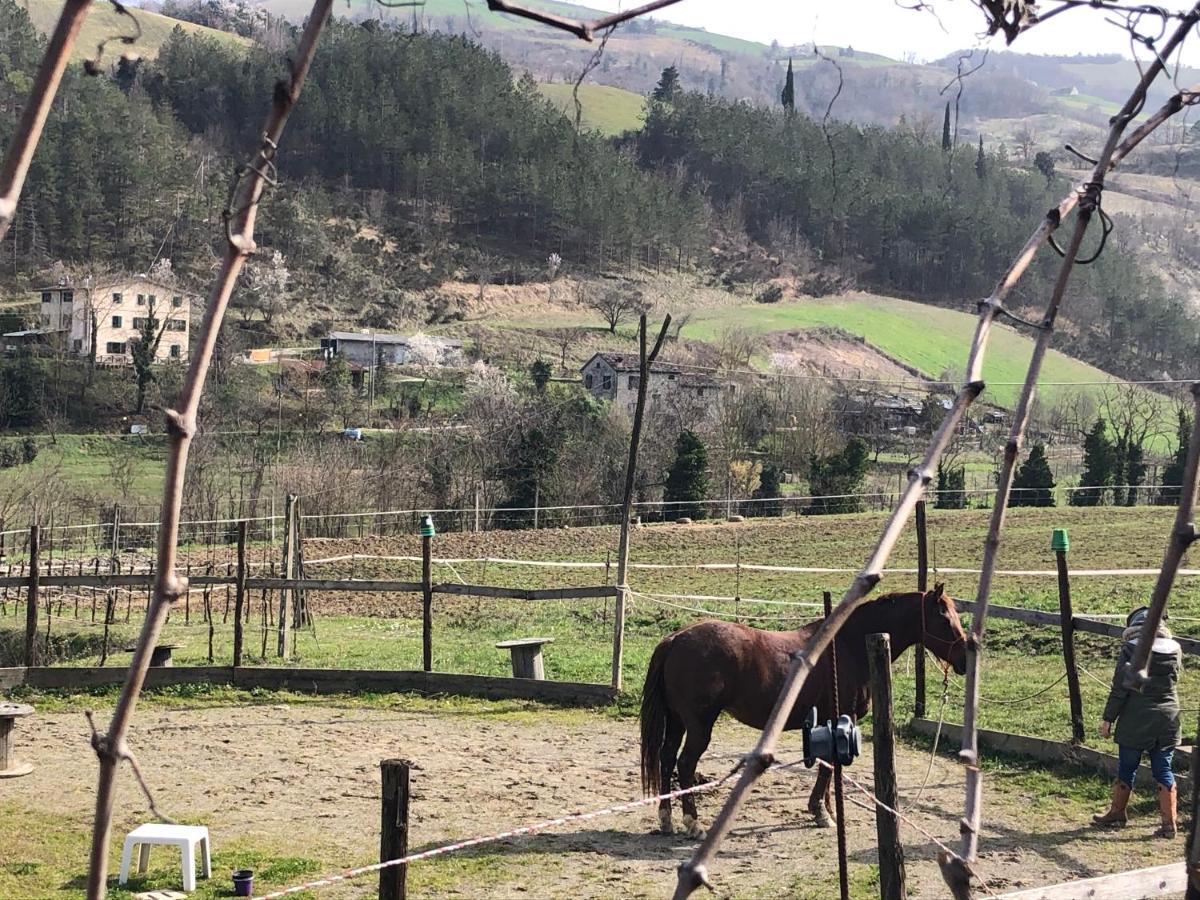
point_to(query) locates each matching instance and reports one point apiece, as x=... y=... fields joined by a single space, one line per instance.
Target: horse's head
x=944 y=634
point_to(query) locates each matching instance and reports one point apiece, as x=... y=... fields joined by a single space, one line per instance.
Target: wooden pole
x=838 y=796
x=288 y=567
x=1067 y=619
x=31 y=605
x=393 y=828
x=646 y=360
x=240 y=596
x=427 y=603
x=883 y=740
x=922 y=586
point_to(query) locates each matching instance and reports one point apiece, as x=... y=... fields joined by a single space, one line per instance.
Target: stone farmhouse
x=614 y=377
x=109 y=314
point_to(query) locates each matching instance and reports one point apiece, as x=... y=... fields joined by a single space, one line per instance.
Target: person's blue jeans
x=1160 y=765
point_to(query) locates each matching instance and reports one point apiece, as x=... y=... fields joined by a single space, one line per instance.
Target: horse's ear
x=938 y=590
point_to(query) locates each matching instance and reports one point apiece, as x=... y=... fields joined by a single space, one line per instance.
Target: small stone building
x=614 y=377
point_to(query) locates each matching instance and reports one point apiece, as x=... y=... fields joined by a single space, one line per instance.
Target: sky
x=883 y=26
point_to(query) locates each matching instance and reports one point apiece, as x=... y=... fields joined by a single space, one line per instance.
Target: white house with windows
x=110 y=313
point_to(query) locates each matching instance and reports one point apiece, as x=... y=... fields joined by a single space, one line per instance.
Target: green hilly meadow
x=103 y=23
x=931 y=339
x=609 y=110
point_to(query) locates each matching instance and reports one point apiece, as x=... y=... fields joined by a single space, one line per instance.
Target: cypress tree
x=540 y=372
x=838 y=478
x=1099 y=465
x=1135 y=471
x=1172 y=477
x=946 y=129
x=687 y=479
x=768 y=489
x=788 y=97
x=1034 y=484
x=980 y=161
x=951 y=487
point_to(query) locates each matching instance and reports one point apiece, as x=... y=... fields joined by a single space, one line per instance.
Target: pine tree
x=1099 y=465
x=1172 y=476
x=788 y=97
x=1034 y=484
x=980 y=161
x=946 y=146
x=527 y=471
x=687 y=479
x=668 y=85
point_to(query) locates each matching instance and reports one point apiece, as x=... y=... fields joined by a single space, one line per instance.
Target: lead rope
x=937 y=735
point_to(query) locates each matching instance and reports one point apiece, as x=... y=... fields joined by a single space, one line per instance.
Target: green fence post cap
x=1060 y=543
x=427 y=529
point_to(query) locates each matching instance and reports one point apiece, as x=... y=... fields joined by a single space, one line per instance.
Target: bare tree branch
x=33 y=117
x=181 y=426
x=583 y=30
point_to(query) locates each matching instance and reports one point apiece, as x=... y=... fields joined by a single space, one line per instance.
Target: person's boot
x=1115 y=817
x=1166 y=809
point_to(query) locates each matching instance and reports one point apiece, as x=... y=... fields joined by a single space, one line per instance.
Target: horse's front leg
x=818 y=801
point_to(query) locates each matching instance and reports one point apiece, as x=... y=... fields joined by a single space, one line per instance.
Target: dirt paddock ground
x=302 y=780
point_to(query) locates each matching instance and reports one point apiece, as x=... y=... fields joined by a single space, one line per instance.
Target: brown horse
x=710 y=667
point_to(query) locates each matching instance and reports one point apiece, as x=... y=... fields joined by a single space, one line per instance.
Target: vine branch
x=169 y=585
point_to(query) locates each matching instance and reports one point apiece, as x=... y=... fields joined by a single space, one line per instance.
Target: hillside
x=931 y=339
x=104 y=23
x=609 y=110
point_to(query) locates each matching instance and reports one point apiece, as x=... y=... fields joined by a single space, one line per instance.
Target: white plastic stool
x=185 y=837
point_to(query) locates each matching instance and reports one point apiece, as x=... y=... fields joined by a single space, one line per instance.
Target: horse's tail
x=654 y=718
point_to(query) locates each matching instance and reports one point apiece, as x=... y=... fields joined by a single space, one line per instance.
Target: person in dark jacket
x=1147 y=722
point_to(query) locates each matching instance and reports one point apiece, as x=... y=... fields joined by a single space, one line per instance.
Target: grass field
x=103 y=23
x=384 y=631
x=609 y=110
x=929 y=338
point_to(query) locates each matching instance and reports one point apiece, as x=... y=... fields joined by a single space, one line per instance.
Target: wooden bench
x=9 y=713
x=160 y=657
x=526 y=656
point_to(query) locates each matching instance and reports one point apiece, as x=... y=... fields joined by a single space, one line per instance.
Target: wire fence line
x=743 y=566
x=110 y=530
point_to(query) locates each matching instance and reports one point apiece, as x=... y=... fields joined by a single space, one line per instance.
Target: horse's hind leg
x=667 y=758
x=818 y=801
x=699 y=733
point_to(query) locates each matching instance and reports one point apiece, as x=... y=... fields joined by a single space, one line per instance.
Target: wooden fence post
x=289 y=562
x=1060 y=544
x=922 y=586
x=393 y=828
x=427 y=532
x=240 y=593
x=31 y=605
x=883 y=740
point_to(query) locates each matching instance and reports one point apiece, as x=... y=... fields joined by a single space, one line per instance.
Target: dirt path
x=302 y=780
